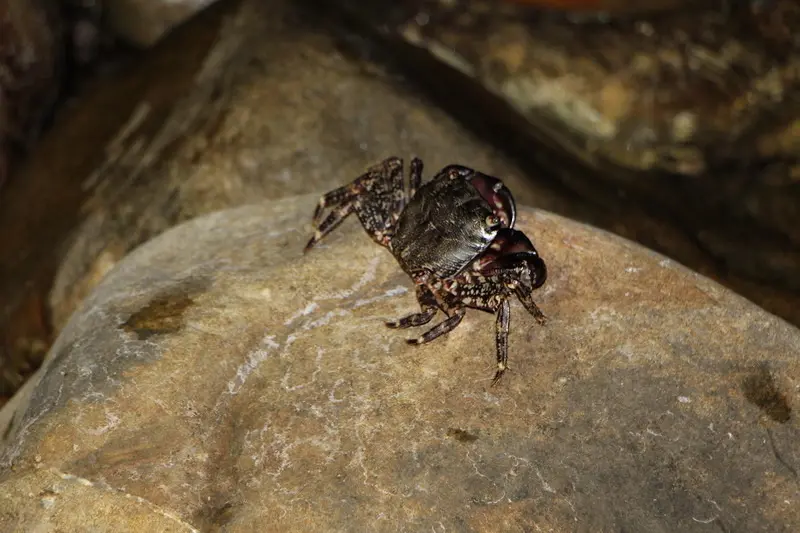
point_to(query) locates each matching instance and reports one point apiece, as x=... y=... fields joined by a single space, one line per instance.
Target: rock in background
x=49 y=46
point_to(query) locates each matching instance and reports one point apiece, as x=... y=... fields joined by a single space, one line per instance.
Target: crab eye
x=492 y=221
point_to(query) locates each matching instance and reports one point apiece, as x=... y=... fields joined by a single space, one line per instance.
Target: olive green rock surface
x=219 y=379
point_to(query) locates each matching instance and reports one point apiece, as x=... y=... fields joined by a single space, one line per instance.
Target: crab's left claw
x=497 y=195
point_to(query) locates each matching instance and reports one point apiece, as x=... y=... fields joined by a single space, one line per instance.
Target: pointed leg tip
x=413 y=341
x=501 y=370
x=391 y=324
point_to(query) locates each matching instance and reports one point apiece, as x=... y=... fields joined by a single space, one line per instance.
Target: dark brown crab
x=454 y=236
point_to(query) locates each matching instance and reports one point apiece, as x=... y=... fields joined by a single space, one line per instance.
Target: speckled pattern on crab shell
x=439 y=233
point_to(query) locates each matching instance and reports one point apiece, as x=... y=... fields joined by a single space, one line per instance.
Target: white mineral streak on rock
x=253 y=361
x=307 y=310
x=369 y=275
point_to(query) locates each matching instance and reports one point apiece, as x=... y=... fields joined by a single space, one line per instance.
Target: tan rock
x=61 y=499
x=220 y=376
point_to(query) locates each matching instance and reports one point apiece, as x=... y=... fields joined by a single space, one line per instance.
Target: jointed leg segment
x=501 y=339
x=377 y=197
x=427 y=303
x=441 y=328
x=335 y=218
x=527 y=301
x=415 y=181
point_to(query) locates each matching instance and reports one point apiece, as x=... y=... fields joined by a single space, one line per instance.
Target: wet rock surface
x=219 y=378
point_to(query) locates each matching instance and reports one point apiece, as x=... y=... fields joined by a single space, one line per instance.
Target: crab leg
x=427 y=303
x=336 y=217
x=501 y=339
x=530 y=305
x=377 y=197
x=415 y=173
x=333 y=198
x=441 y=328
x=414 y=320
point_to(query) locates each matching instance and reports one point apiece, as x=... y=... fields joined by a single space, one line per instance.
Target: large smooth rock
x=220 y=379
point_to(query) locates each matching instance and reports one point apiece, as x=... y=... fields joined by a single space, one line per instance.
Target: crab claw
x=509 y=248
x=497 y=195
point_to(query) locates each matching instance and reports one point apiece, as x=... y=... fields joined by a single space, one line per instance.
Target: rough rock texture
x=220 y=378
x=42 y=204
x=691 y=115
x=30 y=62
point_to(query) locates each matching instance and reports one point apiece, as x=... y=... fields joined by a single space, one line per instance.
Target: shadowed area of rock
x=220 y=379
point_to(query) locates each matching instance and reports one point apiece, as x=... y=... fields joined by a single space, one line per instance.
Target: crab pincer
x=454 y=236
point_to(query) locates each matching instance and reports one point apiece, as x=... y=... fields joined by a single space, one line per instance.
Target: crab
x=453 y=236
